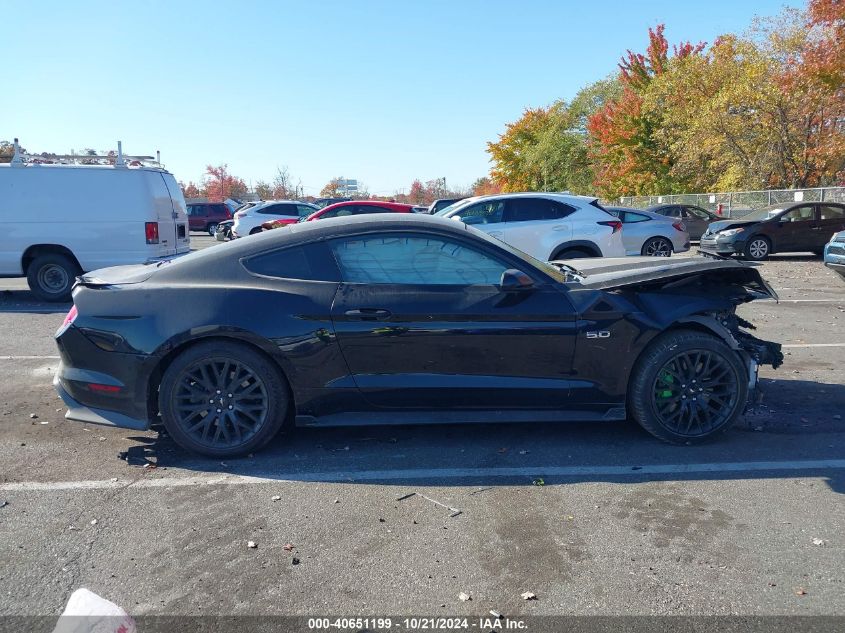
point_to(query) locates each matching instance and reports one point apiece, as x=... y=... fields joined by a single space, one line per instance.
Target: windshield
x=457 y=205
x=766 y=213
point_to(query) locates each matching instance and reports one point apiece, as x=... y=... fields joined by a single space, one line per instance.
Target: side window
x=348 y=209
x=279 y=209
x=414 y=259
x=369 y=208
x=696 y=214
x=631 y=217
x=830 y=212
x=298 y=262
x=304 y=210
x=527 y=209
x=798 y=214
x=489 y=212
x=673 y=212
x=195 y=210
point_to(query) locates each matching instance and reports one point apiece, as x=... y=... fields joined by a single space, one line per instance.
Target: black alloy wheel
x=223 y=399
x=687 y=387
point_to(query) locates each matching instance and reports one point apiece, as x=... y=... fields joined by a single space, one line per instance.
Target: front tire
x=51 y=277
x=657 y=247
x=757 y=248
x=223 y=399
x=687 y=387
x=212 y=229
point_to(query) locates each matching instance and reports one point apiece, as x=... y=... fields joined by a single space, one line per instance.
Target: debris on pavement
x=94 y=521
x=800 y=591
x=454 y=511
x=276 y=498
x=3 y=503
x=86 y=611
x=528 y=595
x=464 y=597
x=294 y=561
x=288 y=547
x=819 y=542
x=495 y=614
x=33 y=416
x=252 y=544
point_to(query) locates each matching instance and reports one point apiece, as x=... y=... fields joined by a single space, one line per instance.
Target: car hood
x=610 y=273
x=723 y=225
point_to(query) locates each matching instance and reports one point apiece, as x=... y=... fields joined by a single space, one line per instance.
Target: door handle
x=368 y=314
x=560 y=227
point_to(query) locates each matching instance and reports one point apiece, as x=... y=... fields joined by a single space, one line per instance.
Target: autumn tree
x=263 y=190
x=190 y=190
x=219 y=184
x=484 y=186
x=628 y=156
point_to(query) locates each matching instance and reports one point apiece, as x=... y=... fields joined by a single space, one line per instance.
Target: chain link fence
x=736 y=204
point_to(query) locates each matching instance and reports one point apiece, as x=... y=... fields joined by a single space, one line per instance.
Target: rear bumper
x=81 y=413
x=99 y=386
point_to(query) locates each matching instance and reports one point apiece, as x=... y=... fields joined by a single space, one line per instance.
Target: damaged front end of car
x=698 y=293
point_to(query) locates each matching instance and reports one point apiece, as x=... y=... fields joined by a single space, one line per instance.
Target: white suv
x=547 y=226
x=249 y=219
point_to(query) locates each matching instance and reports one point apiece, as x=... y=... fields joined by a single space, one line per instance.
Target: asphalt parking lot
x=593 y=519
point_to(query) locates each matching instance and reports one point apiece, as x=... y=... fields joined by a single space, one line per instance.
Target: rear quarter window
x=309 y=262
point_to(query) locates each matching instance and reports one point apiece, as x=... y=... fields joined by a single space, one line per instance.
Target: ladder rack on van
x=118 y=160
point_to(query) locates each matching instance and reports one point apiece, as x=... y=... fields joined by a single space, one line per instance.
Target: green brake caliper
x=666 y=379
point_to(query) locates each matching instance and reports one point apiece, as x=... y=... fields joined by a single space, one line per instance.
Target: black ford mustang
x=387 y=319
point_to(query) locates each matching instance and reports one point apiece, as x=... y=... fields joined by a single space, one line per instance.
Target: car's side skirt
x=609 y=413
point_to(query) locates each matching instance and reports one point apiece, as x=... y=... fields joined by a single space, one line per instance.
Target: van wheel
x=51 y=277
x=212 y=229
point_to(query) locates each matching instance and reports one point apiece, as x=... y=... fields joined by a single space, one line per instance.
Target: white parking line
x=30 y=357
x=814 y=345
x=435 y=474
x=842 y=300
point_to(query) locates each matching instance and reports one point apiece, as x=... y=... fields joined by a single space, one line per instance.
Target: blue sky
x=382 y=91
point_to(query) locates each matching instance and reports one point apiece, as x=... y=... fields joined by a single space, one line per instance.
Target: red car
x=359 y=207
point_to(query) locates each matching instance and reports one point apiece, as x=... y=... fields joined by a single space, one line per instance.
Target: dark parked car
x=324 y=202
x=442 y=203
x=401 y=318
x=205 y=216
x=695 y=218
x=780 y=228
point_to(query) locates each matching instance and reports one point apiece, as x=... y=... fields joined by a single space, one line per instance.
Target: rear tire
x=257 y=229
x=657 y=247
x=757 y=248
x=51 y=277
x=573 y=253
x=223 y=399
x=687 y=387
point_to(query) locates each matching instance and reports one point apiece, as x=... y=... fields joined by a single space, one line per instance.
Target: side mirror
x=456 y=217
x=513 y=279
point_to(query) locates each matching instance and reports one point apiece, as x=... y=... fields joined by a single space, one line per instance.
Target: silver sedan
x=646 y=233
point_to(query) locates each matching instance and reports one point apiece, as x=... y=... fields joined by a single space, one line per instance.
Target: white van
x=57 y=221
